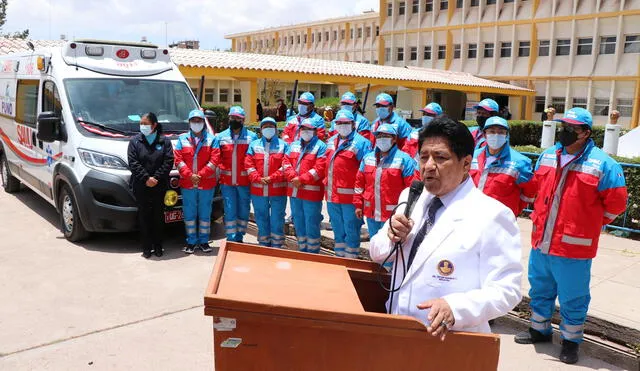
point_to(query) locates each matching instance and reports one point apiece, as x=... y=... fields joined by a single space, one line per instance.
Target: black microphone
x=414 y=193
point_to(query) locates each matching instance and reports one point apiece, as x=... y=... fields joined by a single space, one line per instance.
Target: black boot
x=158 y=250
x=532 y=336
x=569 y=353
x=146 y=253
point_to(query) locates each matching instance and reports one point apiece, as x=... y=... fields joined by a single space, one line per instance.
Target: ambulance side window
x=51 y=98
x=27 y=102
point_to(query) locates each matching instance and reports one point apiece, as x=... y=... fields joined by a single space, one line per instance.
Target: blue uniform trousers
x=196 y=206
x=307 y=216
x=236 y=211
x=346 y=229
x=269 y=215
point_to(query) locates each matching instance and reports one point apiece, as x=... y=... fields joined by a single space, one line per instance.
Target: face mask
x=382 y=112
x=235 y=125
x=481 y=121
x=348 y=107
x=306 y=135
x=426 y=120
x=197 y=127
x=303 y=109
x=568 y=138
x=146 y=129
x=384 y=144
x=495 y=141
x=344 y=130
x=268 y=133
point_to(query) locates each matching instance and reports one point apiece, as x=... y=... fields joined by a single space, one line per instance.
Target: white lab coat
x=480 y=239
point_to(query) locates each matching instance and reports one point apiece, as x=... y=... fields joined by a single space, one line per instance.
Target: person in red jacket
x=580 y=189
x=306 y=108
x=500 y=171
x=305 y=167
x=230 y=148
x=268 y=184
x=194 y=158
x=429 y=113
x=345 y=150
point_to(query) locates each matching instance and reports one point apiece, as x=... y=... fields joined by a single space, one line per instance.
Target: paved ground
x=99 y=305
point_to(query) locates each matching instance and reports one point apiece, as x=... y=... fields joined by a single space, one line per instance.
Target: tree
x=3 y=19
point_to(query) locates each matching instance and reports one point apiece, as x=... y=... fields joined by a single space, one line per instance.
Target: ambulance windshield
x=118 y=103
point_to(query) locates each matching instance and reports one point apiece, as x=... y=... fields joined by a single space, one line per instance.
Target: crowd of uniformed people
x=360 y=168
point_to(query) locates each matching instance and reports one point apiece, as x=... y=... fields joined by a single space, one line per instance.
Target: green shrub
x=333 y=102
x=222 y=114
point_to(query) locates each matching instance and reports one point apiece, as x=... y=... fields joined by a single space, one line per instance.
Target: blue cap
x=496 y=121
x=386 y=129
x=432 y=108
x=344 y=116
x=268 y=120
x=237 y=111
x=577 y=116
x=383 y=99
x=306 y=97
x=307 y=123
x=196 y=113
x=488 y=105
x=348 y=98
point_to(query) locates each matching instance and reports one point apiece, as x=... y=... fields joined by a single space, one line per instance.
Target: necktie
x=435 y=204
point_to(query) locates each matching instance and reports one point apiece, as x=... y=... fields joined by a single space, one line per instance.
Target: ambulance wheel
x=10 y=183
x=69 y=218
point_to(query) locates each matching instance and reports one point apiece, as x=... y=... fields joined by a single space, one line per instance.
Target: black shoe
x=569 y=353
x=147 y=254
x=158 y=250
x=532 y=336
x=189 y=249
x=205 y=247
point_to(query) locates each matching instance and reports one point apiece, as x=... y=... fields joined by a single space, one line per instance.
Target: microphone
x=414 y=193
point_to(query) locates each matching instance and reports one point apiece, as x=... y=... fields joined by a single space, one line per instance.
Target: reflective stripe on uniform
x=309 y=187
x=390 y=207
x=610 y=216
x=265 y=168
x=545 y=245
x=526 y=199
x=345 y=191
x=181 y=164
x=576 y=240
x=591 y=170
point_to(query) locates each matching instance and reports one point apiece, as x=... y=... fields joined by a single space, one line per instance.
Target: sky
x=204 y=20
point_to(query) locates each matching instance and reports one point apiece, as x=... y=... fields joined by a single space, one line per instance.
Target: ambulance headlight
x=97 y=159
x=94 y=51
x=148 y=53
x=171 y=198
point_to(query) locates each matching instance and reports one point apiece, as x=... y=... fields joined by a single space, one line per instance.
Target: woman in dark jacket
x=150 y=161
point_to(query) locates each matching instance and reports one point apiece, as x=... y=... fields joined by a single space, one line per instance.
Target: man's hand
x=401 y=226
x=265 y=180
x=440 y=317
x=296 y=182
x=151 y=182
x=359 y=213
x=195 y=179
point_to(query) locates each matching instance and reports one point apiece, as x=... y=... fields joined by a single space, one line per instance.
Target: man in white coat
x=461 y=248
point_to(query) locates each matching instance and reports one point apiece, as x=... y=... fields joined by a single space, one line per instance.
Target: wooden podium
x=284 y=310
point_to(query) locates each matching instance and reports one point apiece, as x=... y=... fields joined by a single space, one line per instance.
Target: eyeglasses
x=570 y=128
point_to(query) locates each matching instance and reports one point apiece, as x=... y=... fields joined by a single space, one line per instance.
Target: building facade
x=583 y=53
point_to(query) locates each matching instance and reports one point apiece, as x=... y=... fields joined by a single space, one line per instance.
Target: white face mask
x=348 y=107
x=306 y=135
x=146 y=129
x=496 y=141
x=426 y=120
x=196 y=127
x=344 y=129
x=268 y=133
x=384 y=144
x=303 y=109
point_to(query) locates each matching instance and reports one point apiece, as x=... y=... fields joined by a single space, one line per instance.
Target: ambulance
x=67 y=114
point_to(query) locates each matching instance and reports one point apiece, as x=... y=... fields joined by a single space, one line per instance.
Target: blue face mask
x=426 y=120
x=382 y=112
x=303 y=109
x=347 y=107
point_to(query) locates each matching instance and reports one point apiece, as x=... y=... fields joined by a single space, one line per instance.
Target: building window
x=377 y=30
x=580 y=102
x=401 y=7
x=237 y=95
x=414 y=53
x=444 y=4
x=508 y=1
x=298 y=39
x=456 y=51
x=195 y=92
x=505 y=50
x=360 y=33
x=427 y=53
x=387 y=54
x=415 y=6
x=543 y=48
x=459 y=4
x=585 y=46
x=632 y=44
x=558 y=104
x=400 y=54
x=488 y=50
x=224 y=95
x=601 y=107
x=208 y=95
x=326 y=36
x=442 y=51
x=472 y=52
x=524 y=49
x=625 y=107
x=428 y=6
x=539 y=104
x=490 y=2
x=335 y=35
x=291 y=40
x=389 y=9
x=343 y=33
x=563 y=47
x=475 y=3
x=368 y=33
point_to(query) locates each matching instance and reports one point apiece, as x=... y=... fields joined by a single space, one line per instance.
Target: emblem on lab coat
x=445 y=267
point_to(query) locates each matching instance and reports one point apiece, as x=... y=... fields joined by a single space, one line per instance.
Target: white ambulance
x=66 y=116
